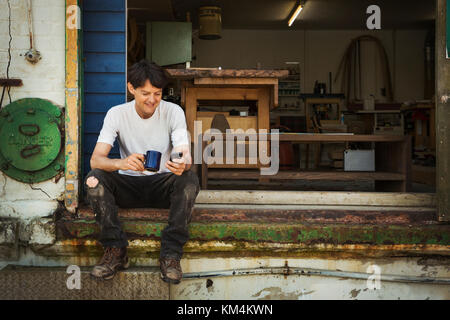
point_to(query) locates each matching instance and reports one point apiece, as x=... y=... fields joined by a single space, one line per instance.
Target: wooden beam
x=308 y=175
x=324 y=137
x=442 y=114
x=263 y=109
x=226 y=93
x=191 y=110
x=425 y=175
x=226 y=73
x=331 y=198
x=72 y=115
x=236 y=81
x=272 y=83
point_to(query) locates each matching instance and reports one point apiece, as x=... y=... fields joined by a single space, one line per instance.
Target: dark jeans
x=164 y=190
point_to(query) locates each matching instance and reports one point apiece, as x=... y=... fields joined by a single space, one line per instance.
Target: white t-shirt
x=165 y=129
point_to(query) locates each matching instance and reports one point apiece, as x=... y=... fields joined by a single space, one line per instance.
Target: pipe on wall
x=312 y=272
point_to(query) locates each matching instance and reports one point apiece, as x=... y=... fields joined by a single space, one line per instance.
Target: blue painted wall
x=104 y=50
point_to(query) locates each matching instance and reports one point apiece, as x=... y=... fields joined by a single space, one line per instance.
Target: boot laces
x=109 y=255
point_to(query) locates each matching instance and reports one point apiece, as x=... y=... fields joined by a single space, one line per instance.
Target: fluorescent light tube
x=296 y=13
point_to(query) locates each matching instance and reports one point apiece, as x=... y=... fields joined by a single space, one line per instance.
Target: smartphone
x=176 y=155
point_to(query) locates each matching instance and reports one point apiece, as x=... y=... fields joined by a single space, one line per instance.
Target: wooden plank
x=234 y=166
x=425 y=175
x=10 y=82
x=394 y=157
x=101 y=5
x=317 y=198
x=274 y=97
x=191 y=110
x=104 y=62
x=226 y=73
x=264 y=124
x=442 y=113
x=226 y=93
x=204 y=169
x=323 y=100
x=211 y=113
x=72 y=116
x=101 y=102
x=308 y=175
x=104 y=21
x=324 y=137
x=98 y=83
x=432 y=121
x=263 y=109
x=236 y=81
x=235 y=122
x=93 y=122
x=208 y=213
x=104 y=42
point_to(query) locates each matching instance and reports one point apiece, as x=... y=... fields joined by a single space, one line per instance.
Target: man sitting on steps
x=146 y=123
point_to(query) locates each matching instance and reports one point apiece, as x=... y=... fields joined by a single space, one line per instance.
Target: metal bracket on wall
x=8 y=83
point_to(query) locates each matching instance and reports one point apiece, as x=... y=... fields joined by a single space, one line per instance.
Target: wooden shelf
x=392 y=162
x=327 y=137
x=307 y=175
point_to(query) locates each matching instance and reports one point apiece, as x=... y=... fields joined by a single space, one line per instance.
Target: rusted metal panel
x=306 y=234
x=86 y=252
x=302 y=287
x=73 y=112
x=253 y=278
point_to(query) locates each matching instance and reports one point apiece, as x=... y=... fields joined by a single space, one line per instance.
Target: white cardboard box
x=359 y=160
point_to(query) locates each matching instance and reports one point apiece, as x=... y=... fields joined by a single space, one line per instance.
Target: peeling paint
x=276 y=293
x=3 y=184
x=42 y=231
x=354 y=293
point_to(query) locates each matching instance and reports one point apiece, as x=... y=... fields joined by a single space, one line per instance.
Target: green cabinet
x=169 y=42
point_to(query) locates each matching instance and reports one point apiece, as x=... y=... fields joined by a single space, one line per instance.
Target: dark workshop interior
x=365 y=96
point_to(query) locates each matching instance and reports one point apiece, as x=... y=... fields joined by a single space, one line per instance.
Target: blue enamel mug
x=152 y=160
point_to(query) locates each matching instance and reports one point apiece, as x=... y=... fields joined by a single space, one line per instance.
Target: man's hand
x=133 y=162
x=177 y=166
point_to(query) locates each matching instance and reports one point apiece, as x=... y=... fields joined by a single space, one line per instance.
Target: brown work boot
x=170 y=270
x=113 y=260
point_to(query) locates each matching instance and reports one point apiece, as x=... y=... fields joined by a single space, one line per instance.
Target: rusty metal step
x=36 y=283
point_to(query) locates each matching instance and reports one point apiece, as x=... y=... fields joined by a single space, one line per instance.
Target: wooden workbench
x=229 y=84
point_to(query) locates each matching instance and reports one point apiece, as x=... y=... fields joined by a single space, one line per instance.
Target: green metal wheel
x=31 y=140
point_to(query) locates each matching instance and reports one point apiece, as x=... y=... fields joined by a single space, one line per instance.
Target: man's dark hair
x=143 y=70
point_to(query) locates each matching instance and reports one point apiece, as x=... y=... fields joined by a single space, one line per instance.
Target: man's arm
x=100 y=160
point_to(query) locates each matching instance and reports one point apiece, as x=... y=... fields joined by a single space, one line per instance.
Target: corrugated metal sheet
x=104 y=50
